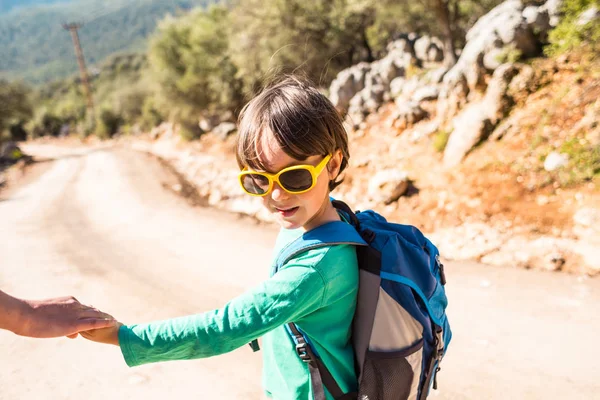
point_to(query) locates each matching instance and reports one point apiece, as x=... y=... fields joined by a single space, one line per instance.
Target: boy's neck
x=327 y=213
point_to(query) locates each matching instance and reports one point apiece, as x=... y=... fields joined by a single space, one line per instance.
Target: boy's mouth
x=286 y=212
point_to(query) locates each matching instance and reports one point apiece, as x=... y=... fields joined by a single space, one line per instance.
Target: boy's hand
x=108 y=335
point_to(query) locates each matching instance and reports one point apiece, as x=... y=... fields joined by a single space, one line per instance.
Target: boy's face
x=305 y=210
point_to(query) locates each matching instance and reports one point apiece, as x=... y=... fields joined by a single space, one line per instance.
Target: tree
x=315 y=37
x=189 y=60
x=15 y=108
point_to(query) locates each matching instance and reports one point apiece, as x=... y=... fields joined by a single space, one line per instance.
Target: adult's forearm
x=60 y=316
x=13 y=313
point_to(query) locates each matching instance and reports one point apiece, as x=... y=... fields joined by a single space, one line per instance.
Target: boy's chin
x=287 y=224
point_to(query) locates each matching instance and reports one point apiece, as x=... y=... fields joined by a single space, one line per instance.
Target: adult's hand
x=63 y=316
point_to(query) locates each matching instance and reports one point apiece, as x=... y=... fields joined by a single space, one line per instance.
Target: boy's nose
x=278 y=193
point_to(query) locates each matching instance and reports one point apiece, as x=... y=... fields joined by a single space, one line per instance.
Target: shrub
x=45 y=123
x=151 y=117
x=569 y=35
x=584 y=162
x=108 y=123
x=190 y=63
x=509 y=54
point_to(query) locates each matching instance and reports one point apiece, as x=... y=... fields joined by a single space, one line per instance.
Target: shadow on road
x=42 y=160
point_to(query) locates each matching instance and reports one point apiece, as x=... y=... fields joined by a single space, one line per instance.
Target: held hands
x=63 y=316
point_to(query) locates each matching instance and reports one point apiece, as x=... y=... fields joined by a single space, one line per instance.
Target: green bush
x=569 y=35
x=189 y=60
x=130 y=101
x=108 y=123
x=44 y=123
x=189 y=131
x=15 y=107
x=151 y=117
x=509 y=54
x=584 y=162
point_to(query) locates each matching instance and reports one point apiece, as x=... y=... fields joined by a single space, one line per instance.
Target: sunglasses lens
x=255 y=183
x=296 y=180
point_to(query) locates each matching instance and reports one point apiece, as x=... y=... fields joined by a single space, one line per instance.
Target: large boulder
x=408 y=113
x=478 y=119
x=538 y=19
x=429 y=49
x=397 y=86
x=224 y=129
x=507 y=31
x=553 y=7
x=388 y=185
x=469 y=128
x=373 y=82
x=426 y=93
x=496 y=101
x=347 y=83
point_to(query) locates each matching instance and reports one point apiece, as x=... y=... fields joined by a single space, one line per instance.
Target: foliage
x=205 y=62
x=440 y=140
x=45 y=123
x=189 y=60
x=316 y=38
x=151 y=116
x=569 y=34
x=118 y=86
x=108 y=123
x=584 y=162
x=15 y=107
x=35 y=47
x=509 y=54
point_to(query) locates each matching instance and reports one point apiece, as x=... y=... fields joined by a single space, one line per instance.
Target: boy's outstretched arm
x=289 y=294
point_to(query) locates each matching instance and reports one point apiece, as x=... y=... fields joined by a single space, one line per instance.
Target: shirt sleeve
x=293 y=292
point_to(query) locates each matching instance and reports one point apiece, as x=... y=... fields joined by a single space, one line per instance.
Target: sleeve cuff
x=125 y=345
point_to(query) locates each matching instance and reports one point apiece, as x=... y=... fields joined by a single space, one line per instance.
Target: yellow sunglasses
x=296 y=179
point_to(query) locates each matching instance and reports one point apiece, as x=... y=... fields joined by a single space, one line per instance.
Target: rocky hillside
x=497 y=158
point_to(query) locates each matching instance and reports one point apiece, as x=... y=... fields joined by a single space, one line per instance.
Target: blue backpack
x=400 y=331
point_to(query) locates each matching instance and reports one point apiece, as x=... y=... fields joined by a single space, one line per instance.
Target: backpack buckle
x=304 y=352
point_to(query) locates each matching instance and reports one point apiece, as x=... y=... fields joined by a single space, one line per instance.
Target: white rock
x=426 y=93
x=587 y=217
x=467 y=241
x=555 y=161
x=396 y=86
x=388 y=185
x=589 y=15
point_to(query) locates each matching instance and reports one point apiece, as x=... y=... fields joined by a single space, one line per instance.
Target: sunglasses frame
x=314 y=171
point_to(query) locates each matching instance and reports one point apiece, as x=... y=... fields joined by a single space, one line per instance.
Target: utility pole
x=72 y=27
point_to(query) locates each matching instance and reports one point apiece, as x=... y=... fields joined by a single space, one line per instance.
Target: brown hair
x=303 y=121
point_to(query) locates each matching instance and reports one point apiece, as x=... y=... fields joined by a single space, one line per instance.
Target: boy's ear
x=333 y=167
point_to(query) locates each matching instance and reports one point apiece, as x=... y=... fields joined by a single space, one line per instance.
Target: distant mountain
x=7 y=5
x=35 y=47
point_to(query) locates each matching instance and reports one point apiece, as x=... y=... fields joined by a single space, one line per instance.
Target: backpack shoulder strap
x=331 y=233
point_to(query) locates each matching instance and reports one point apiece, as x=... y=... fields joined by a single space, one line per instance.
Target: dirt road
x=100 y=225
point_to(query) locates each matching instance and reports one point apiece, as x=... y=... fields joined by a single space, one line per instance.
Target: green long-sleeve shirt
x=316 y=290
